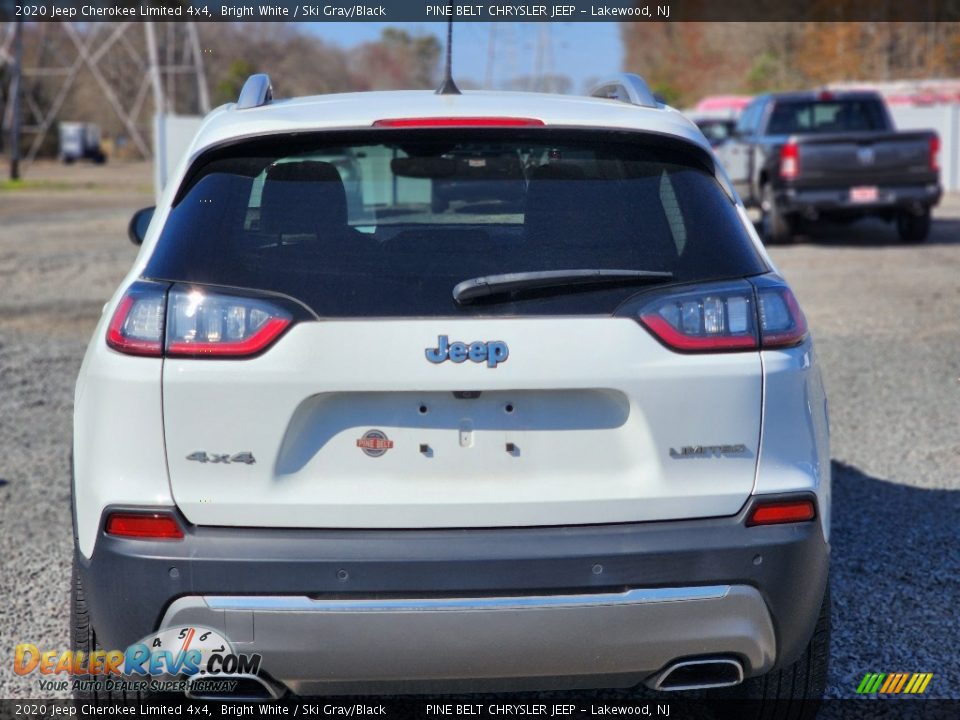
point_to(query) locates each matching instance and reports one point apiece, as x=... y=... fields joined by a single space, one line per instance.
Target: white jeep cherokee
x=415 y=392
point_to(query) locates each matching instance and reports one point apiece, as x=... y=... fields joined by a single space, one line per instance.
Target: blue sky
x=582 y=51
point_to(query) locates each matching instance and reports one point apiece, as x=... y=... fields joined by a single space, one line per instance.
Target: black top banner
x=478 y=11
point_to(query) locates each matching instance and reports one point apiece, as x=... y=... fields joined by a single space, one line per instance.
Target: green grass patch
x=13 y=185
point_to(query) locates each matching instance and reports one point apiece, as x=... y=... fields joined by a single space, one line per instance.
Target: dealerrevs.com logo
x=162 y=662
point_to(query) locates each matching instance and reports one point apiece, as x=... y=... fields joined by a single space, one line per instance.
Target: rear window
x=827 y=116
x=385 y=224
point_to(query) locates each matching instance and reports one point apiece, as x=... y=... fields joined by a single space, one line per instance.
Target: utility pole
x=15 y=101
x=491 y=56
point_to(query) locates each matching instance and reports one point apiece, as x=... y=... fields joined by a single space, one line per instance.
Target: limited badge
x=374 y=443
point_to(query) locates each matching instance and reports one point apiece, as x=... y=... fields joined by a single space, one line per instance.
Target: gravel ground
x=884 y=317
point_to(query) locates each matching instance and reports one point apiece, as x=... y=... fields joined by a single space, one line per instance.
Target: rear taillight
x=790 y=161
x=776 y=513
x=726 y=317
x=136 y=327
x=200 y=323
x=935 y=153
x=144 y=525
x=190 y=322
x=713 y=319
x=782 y=323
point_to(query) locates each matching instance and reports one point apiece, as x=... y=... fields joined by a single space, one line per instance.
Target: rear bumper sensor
x=421 y=644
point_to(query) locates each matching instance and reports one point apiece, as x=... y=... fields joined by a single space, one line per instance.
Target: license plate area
x=864 y=194
x=461 y=429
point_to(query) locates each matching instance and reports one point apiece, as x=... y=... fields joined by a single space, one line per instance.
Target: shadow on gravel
x=895 y=566
x=873 y=233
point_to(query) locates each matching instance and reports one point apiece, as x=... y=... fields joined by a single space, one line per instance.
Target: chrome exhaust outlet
x=698 y=675
x=232 y=688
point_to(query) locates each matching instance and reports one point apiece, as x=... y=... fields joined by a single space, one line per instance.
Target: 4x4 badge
x=226 y=458
x=374 y=443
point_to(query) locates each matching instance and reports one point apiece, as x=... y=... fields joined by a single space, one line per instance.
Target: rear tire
x=83 y=638
x=776 y=228
x=795 y=691
x=912 y=228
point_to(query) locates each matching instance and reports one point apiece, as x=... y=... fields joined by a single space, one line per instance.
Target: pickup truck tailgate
x=849 y=159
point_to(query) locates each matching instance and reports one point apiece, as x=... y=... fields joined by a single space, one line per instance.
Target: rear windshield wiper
x=487 y=285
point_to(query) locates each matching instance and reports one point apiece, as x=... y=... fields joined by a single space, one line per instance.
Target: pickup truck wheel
x=775 y=227
x=796 y=690
x=83 y=638
x=913 y=228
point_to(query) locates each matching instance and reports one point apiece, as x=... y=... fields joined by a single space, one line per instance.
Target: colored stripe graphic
x=894 y=683
x=871 y=683
x=891 y=681
x=862 y=687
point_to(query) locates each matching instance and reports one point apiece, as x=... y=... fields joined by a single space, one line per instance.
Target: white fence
x=945 y=120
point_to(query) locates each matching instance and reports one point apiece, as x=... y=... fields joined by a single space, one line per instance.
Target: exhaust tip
x=231 y=688
x=699 y=674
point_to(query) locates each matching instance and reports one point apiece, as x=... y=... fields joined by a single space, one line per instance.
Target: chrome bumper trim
x=302 y=603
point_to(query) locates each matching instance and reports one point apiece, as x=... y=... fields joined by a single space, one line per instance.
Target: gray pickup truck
x=803 y=156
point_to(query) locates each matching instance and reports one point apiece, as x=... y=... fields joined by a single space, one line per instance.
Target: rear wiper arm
x=487 y=285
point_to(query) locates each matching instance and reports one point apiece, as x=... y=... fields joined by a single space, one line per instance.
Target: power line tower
x=544 y=79
x=502 y=64
x=135 y=69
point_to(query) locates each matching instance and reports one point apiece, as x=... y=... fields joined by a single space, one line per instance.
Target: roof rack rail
x=257 y=91
x=626 y=87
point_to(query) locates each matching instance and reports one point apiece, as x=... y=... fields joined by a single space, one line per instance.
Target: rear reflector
x=776 y=513
x=145 y=526
x=432 y=122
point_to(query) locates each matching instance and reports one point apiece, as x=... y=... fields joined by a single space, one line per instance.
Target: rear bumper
x=506 y=608
x=460 y=644
x=911 y=197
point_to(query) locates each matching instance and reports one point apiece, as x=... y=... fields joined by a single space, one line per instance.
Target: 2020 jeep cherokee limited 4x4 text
x=564 y=429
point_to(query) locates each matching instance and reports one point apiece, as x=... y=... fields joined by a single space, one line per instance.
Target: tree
x=396 y=61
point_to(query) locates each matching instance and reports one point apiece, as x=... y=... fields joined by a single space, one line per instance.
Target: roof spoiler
x=257 y=92
x=626 y=87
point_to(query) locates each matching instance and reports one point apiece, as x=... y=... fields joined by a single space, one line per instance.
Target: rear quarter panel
x=795 y=441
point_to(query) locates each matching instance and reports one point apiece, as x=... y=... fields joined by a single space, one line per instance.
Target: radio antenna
x=448 y=86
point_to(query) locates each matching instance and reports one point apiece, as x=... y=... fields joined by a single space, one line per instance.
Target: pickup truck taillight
x=190 y=322
x=790 y=161
x=935 y=153
x=726 y=317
